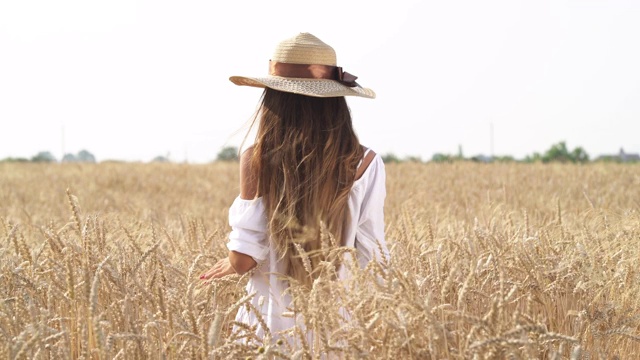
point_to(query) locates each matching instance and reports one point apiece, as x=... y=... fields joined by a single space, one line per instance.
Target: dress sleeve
x=248 y=228
x=370 y=230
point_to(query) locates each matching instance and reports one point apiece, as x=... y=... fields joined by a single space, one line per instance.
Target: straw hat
x=305 y=65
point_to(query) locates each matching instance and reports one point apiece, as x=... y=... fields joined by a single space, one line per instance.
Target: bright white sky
x=131 y=80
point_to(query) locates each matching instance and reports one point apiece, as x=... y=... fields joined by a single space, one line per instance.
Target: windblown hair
x=305 y=160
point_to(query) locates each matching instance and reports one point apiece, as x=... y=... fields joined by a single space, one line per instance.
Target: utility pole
x=62 y=144
x=491 y=139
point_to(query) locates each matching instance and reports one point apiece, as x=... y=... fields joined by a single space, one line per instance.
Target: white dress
x=249 y=236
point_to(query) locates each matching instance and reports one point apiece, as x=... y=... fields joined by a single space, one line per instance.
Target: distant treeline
x=556 y=153
x=47 y=157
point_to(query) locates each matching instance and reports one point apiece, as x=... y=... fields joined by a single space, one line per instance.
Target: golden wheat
x=487 y=261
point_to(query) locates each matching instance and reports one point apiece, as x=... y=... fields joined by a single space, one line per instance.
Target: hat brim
x=309 y=87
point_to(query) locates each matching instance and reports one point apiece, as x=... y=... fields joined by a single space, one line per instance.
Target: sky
x=131 y=80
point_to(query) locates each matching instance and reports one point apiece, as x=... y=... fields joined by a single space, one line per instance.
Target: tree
x=536 y=157
x=69 y=158
x=85 y=156
x=15 y=159
x=44 y=156
x=389 y=158
x=439 y=158
x=504 y=158
x=81 y=156
x=579 y=155
x=559 y=152
x=228 y=153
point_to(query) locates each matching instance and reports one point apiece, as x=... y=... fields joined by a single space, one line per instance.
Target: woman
x=305 y=177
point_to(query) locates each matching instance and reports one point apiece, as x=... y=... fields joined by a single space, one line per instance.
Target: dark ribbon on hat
x=312 y=71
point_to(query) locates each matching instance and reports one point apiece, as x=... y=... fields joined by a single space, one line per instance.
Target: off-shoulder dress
x=249 y=236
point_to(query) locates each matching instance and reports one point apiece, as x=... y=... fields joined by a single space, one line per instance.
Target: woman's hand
x=221 y=268
x=235 y=263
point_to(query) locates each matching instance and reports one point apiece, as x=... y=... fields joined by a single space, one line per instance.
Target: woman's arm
x=248 y=176
x=236 y=262
x=370 y=237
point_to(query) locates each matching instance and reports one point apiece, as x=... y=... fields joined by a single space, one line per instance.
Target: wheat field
x=517 y=261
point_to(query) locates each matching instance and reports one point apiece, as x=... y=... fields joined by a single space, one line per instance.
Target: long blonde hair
x=305 y=160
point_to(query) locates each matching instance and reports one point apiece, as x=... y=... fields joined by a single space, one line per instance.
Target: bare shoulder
x=247 y=154
x=248 y=176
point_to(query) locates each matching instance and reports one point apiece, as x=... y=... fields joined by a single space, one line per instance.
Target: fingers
x=220 y=269
x=207 y=275
x=210 y=273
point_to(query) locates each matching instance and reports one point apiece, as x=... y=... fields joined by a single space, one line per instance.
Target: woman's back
x=303 y=165
x=365 y=233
